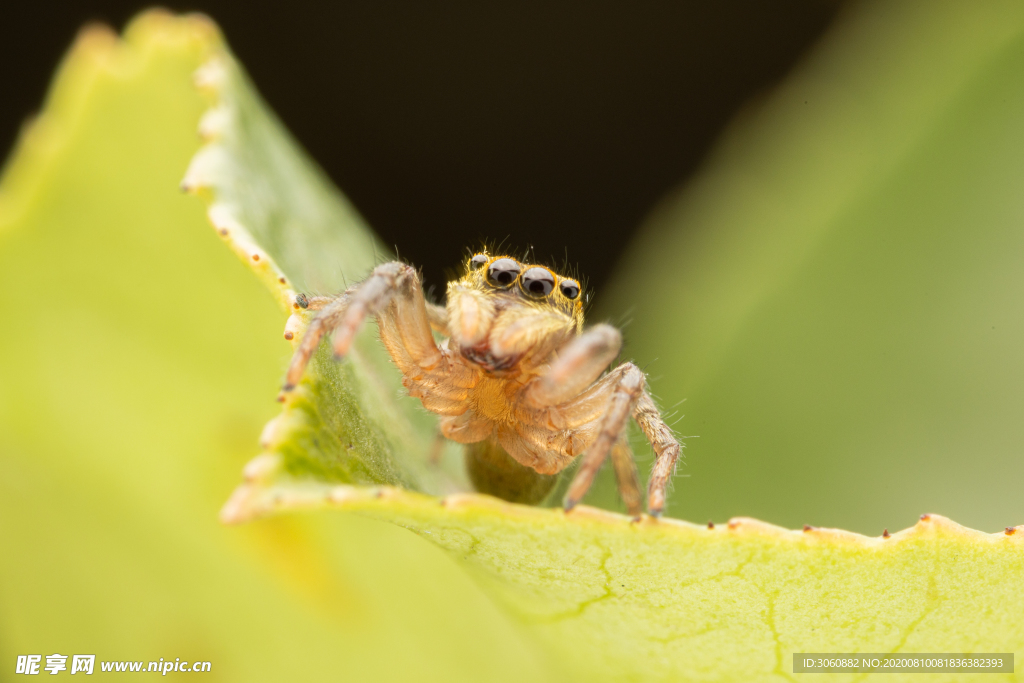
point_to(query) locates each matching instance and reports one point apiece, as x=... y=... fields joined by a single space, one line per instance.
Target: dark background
x=556 y=125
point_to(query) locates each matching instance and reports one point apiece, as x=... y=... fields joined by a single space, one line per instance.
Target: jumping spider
x=517 y=378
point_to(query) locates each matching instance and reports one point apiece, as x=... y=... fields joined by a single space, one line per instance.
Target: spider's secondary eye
x=503 y=272
x=570 y=289
x=478 y=261
x=537 y=281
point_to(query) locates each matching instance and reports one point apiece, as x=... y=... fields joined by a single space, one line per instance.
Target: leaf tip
x=161 y=23
x=95 y=41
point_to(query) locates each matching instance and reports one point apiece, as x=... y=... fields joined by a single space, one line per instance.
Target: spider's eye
x=537 y=281
x=570 y=288
x=478 y=261
x=503 y=272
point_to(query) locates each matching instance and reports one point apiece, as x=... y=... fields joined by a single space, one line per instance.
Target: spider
x=517 y=378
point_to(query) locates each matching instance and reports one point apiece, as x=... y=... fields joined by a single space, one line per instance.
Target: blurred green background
x=839 y=296
x=836 y=298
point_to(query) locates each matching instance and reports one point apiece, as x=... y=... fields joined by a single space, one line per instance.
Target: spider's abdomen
x=494 y=472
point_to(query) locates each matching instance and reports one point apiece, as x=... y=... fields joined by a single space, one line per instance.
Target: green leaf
x=608 y=598
x=667 y=600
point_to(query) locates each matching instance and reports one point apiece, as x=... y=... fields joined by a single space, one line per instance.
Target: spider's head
x=503 y=314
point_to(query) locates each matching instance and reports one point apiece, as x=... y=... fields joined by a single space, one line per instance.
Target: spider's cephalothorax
x=517 y=378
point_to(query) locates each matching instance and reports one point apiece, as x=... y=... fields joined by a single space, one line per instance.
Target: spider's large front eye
x=537 y=281
x=570 y=288
x=478 y=261
x=503 y=272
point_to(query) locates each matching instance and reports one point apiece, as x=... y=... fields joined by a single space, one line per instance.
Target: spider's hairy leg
x=666 y=449
x=329 y=316
x=442 y=387
x=624 y=388
x=626 y=476
x=389 y=283
x=466 y=428
x=579 y=364
x=580 y=412
x=314 y=303
x=438 y=317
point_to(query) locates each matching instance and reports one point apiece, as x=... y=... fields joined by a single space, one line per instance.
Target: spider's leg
x=561 y=408
x=626 y=476
x=313 y=303
x=666 y=449
x=571 y=428
x=329 y=316
x=625 y=388
x=578 y=365
x=578 y=413
x=466 y=428
x=438 y=317
x=389 y=282
x=429 y=372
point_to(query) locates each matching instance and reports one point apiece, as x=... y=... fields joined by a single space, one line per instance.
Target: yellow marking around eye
x=476 y=277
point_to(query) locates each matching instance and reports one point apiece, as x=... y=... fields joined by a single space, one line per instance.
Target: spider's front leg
x=619 y=391
x=617 y=396
x=392 y=284
x=666 y=451
x=565 y=390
